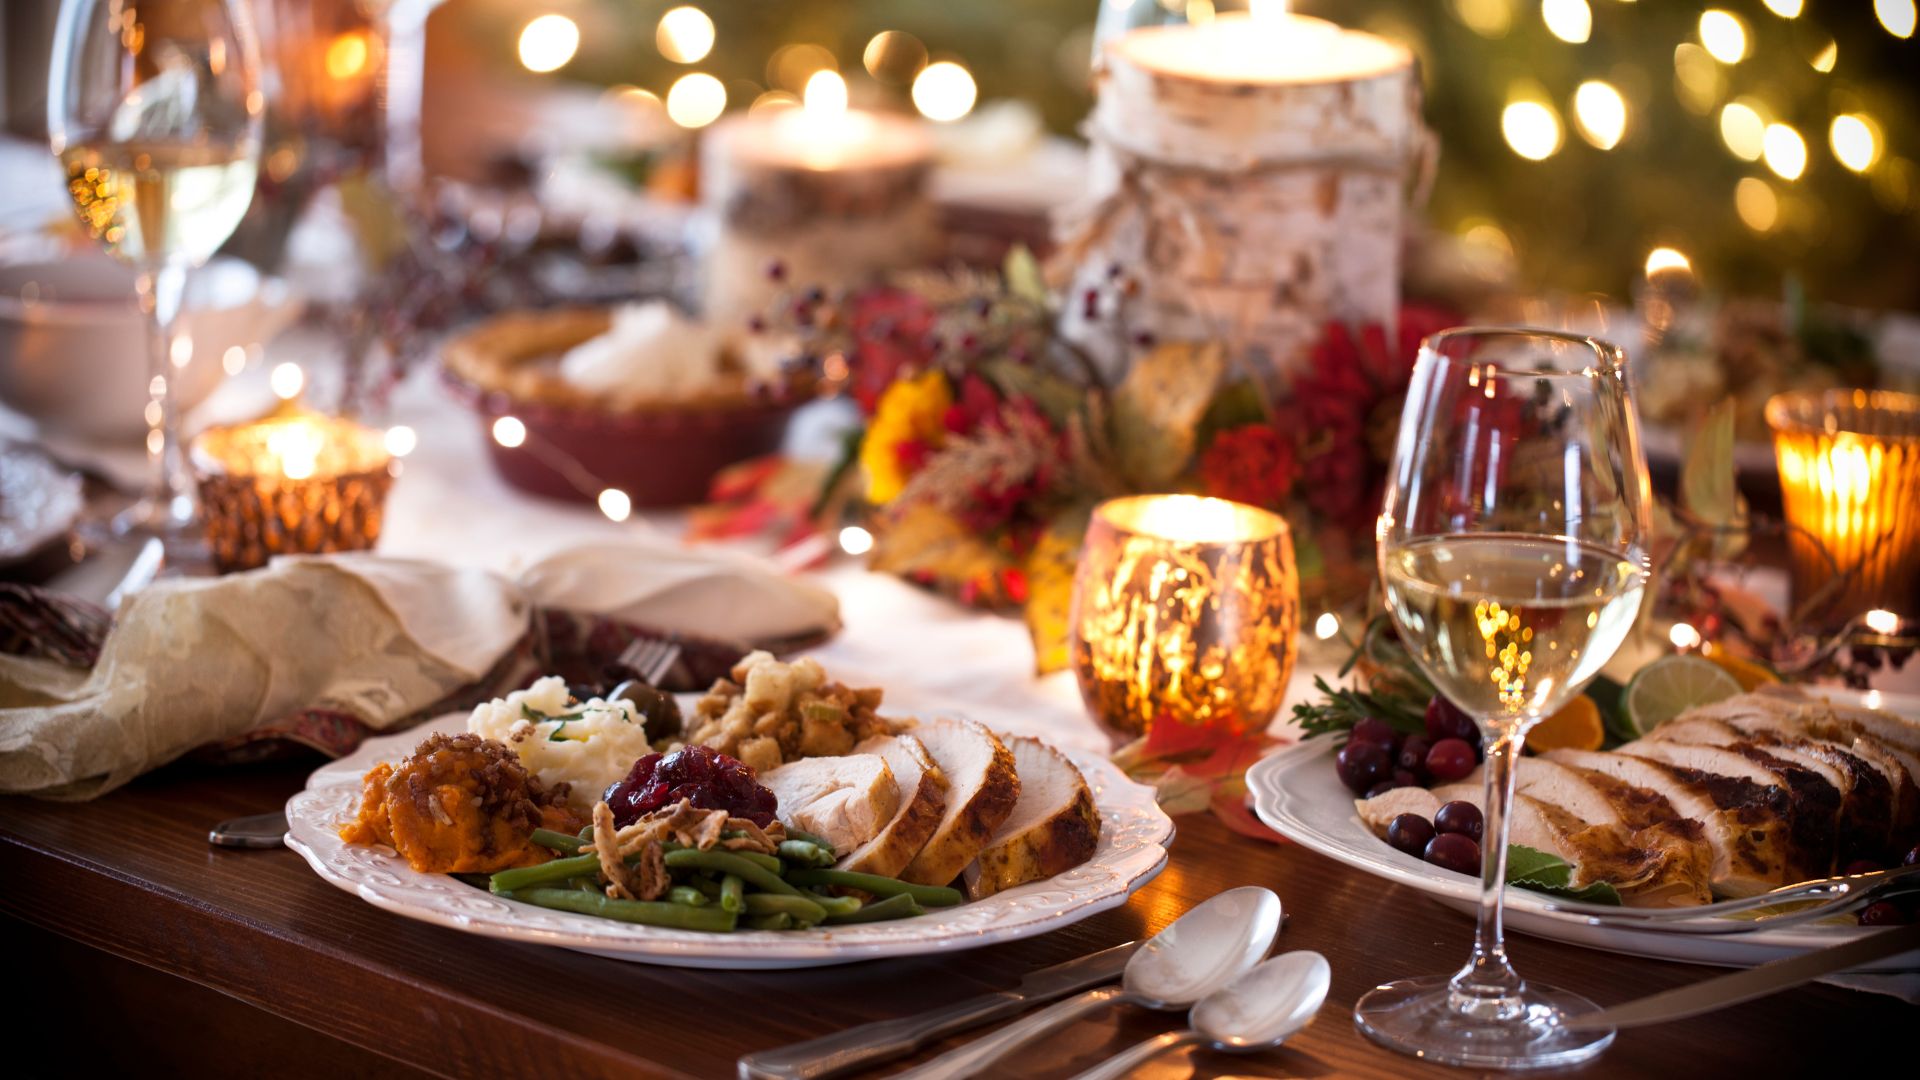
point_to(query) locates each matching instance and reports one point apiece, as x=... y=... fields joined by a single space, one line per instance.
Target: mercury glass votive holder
x=1850 y=482
x=1186 y=610
x=295 y=483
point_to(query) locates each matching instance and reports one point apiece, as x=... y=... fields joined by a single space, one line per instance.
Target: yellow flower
x=911 y=412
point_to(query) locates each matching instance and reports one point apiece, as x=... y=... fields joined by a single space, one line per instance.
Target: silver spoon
x=1260 y=1009
x=1196 y=954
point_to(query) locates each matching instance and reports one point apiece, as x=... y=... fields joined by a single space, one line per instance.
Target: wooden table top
x=132 y=875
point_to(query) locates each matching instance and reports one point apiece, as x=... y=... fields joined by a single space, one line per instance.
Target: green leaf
x=1531 y=868
x=1609 y=697
x=1708 y=488
x=1157 y=410
x=1024 y=279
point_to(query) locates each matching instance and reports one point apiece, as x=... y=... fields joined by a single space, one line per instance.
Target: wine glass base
x=1418 y=1017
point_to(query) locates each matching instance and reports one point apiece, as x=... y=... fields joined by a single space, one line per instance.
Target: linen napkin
x=322 y=650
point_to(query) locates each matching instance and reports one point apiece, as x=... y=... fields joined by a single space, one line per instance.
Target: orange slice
x=1575 y=727
x=1750 y=674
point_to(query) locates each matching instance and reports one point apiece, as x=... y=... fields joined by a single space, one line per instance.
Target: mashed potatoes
x=588 y=745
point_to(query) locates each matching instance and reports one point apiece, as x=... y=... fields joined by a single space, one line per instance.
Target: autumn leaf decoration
x=1194 y=769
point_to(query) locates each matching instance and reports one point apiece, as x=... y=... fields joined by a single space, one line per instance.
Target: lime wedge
x=1673 y=684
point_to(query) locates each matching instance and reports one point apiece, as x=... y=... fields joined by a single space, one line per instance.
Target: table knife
x=884 y=1040
x=1684 y=1001
x=258 y=831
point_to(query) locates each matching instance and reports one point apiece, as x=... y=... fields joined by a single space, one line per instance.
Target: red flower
x=890 y=328
x=978 y=405
x=1252 y=464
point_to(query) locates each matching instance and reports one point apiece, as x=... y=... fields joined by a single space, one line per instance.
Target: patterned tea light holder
x=1850 y=483
x=1186 y=610
x=296 y=482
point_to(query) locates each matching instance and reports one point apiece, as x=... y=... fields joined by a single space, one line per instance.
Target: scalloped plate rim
x=1128 y=810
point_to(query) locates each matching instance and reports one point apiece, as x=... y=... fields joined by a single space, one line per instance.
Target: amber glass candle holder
x=295 y=483
x=1850 y=482
x=1186 y=611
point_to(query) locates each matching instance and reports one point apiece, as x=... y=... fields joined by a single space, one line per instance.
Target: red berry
x=1450 y=760
x=1452 y=851
x=1413 y=754
x=1410 y=833
x=1459 y=816
x=1405 y=778
x=1380 y=788
x=1362 y=765
x=1374 y=730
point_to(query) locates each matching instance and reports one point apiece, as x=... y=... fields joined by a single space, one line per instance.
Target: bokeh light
x=286 y=380
x=1757 y=205
x=1786 y=9
x=1666 y=260
x=548 y=42
x=401 y=440
x=894 y=57
x=1744 y=129
x=685 y=35
x=1531 y=128
x=615 y=504
x=1569 y=20
x=1600 y=113
x=792 y=65
x=855 y=540
x=1784 y=151
x=696 y=100
x=348 y=54
x=826 y=94
x=1488 y=18
x=1855 y=141
x=944 y=91
x=1897 y=16
x=1724 y=35
x=509 y=432
x=1825 y=58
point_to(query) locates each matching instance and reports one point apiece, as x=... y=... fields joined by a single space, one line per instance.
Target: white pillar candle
x=836 y=195
x=1250 y=174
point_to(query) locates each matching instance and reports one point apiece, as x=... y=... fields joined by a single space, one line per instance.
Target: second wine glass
x=1512 y=548
x=154 y=108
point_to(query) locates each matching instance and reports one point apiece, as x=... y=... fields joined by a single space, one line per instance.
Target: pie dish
x=661 y=452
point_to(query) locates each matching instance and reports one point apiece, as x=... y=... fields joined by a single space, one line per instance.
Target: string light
x=1724 y=35
x=944 y=91
x=696 y=100
x=1743 y=129
x=1684 y=636
x=1327 y=625
x=1666 y=260
x=1824 y=60
x=547 y=43
x=1757 y=205
x=1601 y=113
x=401 y=440
x=1786 y=9
x=1882 y=621
x=1785 y=151
x=286 y=380
x=685 y=35
x=1531 y=128
x=1854 y=140
x=615 y=504
x=509 y=432
x=1488 y=18
x=1569 y=20
x=855 y=540
x=1897 y=16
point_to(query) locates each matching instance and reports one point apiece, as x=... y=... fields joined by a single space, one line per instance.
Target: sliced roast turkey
x=1054 y=825
x=982 y=786
x=923 y=801
x=845 y=801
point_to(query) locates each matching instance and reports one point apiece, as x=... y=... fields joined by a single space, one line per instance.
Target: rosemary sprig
x=1395 y=691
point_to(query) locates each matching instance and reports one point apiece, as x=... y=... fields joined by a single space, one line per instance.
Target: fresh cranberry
x=1410 y=833
x=1446 y=721
x=1405 y=778
x=1459 y=816
x=1452 y=851
x=703 y=776
x=1362 y=765
x=1413 y=754
x=1380 y=788
x=1450 y=760
x=1375 y=730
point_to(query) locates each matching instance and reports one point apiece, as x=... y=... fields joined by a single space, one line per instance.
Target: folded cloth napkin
x=322 y=650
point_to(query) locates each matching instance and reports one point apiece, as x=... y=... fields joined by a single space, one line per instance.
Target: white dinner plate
x=1296 y=792
x=1134 y=832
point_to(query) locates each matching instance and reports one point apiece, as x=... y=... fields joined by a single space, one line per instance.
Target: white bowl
x=73 y=343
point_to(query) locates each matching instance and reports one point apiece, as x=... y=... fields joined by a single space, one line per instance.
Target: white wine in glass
x=1512 y=548
x=154 y=108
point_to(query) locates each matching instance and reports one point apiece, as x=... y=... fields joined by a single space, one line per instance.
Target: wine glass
x=1512 y=548
x=154 y=107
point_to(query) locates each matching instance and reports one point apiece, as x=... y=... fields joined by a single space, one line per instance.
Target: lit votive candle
x=1850 y=483
x=296 y=482
x=836 y=195
x=1186 y=611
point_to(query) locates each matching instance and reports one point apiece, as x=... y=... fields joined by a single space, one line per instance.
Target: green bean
x=901 y=906
x=558 y=841
x=781 y=921
x=837 y=905
x=688 y=895
x=728 y=862
x=652 y=913
x=806 y=853
x=522 y=877
x=802 y=909
x=796 y=834
x=733 y=893
x=478 y=881
x=585 y=884
x=586 y=835
x=930 y=895
x=769 y=863
x=708 y=887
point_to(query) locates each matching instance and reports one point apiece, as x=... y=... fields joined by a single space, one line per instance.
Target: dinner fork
x=651 y=658
x=1837 y=896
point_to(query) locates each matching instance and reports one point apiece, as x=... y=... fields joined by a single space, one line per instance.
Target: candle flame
x=296 y=446
x=1267 y=11
x=825 y=98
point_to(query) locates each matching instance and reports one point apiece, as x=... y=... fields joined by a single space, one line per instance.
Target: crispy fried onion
x=647 y=878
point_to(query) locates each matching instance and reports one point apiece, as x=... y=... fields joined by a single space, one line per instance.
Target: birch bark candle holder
x=834 y=195
x=1250 y=173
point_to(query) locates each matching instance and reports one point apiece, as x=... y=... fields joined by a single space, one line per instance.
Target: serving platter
x=1297 y=794
x=1134 y=832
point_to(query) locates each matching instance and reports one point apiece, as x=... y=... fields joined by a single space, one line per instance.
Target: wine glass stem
x=161 y=292
x=1488 y=987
